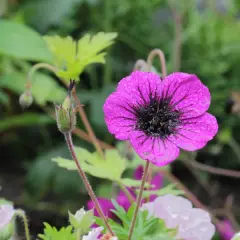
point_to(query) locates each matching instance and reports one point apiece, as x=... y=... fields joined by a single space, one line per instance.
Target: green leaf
x=51 y=233
x=169 y=189
x=145 y=228
x=128 y=182
x=20 y=41
x=72 y=57
x=44 y=87
x=4 y=99
x=110 y=168
x=25 y=119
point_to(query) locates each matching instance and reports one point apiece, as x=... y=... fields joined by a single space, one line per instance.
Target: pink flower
x=177 y=212
x=6 y=214
x=225 y=230
x=159 y=117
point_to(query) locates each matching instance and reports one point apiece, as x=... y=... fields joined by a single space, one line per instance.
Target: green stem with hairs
x=20 y=213
x=68 y=138
x=35 y=68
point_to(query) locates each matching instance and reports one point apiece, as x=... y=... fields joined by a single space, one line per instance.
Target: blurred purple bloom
x=105 y=204
x=225 y=230
x=159 y=117
x=6 y=214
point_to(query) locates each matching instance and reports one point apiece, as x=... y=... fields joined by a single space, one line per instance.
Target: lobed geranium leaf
x=71 y=57
x=51 y=233
x=110 y=168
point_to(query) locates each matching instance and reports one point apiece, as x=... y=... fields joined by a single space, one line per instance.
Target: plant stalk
x=35 y=68
x=160 y=54
x=68 y=138
x=139 y=198
x=87 y=124
x=20 y=213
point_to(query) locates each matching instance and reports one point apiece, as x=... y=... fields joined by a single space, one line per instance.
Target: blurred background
x=197 y=36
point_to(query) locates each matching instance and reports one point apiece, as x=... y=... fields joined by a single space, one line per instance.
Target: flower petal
x=196 y=132
x=159 y=152
x=188 y=94
x=119 y=116
x=139 y=86
x=6 y=214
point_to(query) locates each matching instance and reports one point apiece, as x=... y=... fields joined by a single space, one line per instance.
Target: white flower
x=236 y=236
x=94 y=234
x=6 y=214
x=192 y=223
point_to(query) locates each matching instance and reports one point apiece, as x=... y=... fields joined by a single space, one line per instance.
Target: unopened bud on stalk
x=26 y=99
x=81 y=220
x=66 y=113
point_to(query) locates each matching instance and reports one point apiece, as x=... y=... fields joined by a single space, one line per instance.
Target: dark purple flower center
x=157 y=118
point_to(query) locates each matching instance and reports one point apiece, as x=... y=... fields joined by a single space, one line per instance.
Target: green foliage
x=20 y=41
x=52 y=179
x=25 y=119
x=72 y=57
x=44 y=87
x=129 y=182
x=51 y=233
x=146 y=227
x=94 y=165
x=169 y=189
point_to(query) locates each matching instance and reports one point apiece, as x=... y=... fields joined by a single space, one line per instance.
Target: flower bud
x=66 y=116
x=81 y=220
x=26 y=99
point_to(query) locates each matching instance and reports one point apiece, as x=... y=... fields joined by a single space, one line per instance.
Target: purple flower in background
x=122 y=199
x=177 y=212
x=225 y=230
x=159 y=117
x=6 y=215
x=105 y=204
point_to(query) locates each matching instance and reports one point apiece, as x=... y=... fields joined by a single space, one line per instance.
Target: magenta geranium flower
x=159 y=117
x=225 y=229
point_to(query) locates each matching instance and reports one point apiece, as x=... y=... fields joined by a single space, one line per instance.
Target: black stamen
x=157 y=118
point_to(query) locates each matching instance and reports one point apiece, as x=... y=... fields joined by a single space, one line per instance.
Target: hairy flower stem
x=22 y=215
x=35 y=68
x=160 y=54
x=87 y=124
x=68 y=138
x=139 y=198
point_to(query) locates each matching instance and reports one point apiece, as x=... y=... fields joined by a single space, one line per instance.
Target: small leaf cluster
x=146 y=227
